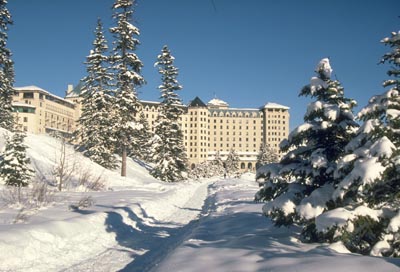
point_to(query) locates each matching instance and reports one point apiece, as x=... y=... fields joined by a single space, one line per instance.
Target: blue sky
x=246 y=53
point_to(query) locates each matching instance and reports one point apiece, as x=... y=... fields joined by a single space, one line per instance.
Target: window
x=28 y=95
x=25 y=119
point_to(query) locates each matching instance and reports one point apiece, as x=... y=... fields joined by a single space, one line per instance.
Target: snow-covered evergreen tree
x=201 y=170
x=299 y=187
x=370 y=188
x=217 y=166
x=127 y=67
x=266 y=155
x=6 y=70
x=169 y=151
x=15 y=167
x=94 y=133
x=232 y=163
x=142 y=145
x=208 y=169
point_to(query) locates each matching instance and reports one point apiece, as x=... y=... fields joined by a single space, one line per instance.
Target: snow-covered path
x=212 y=225
x=133 y=227
x=235 y=236
x=154 y=230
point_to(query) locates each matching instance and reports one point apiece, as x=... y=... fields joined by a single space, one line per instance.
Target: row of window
x=59 y=110
x=31 y=95
x=276 y=121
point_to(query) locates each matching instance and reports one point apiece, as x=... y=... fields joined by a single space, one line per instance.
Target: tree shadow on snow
x=156 y=239
x=256 y=235
x=142 y=163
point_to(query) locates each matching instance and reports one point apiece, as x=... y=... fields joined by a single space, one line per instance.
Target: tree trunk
x=123 y=166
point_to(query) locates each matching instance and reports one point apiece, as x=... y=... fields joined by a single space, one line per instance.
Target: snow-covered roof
x=36 y=88
x=150 y=102
x=30 y=88
x=271 y=105
x=217 y=102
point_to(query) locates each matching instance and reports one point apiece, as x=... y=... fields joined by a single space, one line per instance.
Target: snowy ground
x=141 y=224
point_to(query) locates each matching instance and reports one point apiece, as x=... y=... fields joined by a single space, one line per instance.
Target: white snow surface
x=141 y=224
x=368 y=170
x=313 y=205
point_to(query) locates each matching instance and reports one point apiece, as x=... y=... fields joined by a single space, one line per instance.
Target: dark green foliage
x=312 y=152
x=375 y=146
x=168 y=148
x=266 y=155
x=141 y=146
x=232 y=162
x=126 y=67
x=94 y=134
x=15 y=167
x=310 y=234
x=281 y=219
x=6 y=70
x=367 y=232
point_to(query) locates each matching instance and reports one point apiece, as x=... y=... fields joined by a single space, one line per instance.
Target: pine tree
x=6 y=70
x=267 y=155
x=299 y=187
x=127 y=67
x=15 y=167
x=371 y=170
x=143 y=143
x=170 y=155
x=232 y=162
x=94 y=133
x=217 y=166
x=201 y=170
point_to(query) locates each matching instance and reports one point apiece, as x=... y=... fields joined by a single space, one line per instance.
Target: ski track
x=160 y=237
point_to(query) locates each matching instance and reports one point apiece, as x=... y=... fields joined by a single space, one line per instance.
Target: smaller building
x=39 y=111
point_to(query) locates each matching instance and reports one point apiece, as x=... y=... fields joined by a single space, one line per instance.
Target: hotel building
x=208 y=128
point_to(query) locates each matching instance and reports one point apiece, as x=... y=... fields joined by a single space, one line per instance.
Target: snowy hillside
x=141 y=224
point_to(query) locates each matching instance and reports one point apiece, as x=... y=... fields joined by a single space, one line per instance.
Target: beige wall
x=212 y=129
x=38 y=111
x=206 y=129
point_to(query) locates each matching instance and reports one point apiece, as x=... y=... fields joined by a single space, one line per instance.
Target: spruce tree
x=94 y=134
x=143 y=136
x=6 y=70
x=170 y=155
x=127 y=67
x=371 y=170
x=217 y=165
x=232 y=162
x=299 y=187
x=15 y=167
x=266 y=155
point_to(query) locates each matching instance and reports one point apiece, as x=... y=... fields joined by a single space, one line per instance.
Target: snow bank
x=55 y=244
x=57 y=237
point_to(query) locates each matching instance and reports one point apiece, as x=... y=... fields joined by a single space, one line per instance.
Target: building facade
x=214 y=128
x=208 y=128
x=39 y=111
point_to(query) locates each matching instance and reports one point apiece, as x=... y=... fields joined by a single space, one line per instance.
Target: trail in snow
x=145 y=240
x=236 y=237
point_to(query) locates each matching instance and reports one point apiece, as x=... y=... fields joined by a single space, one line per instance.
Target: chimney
x=69 y=89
